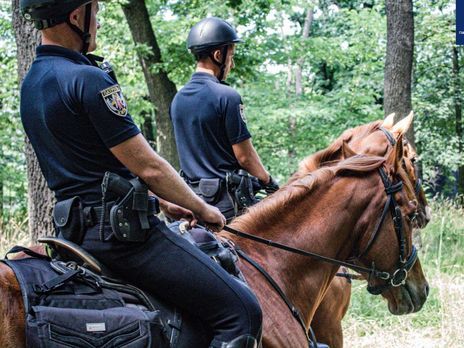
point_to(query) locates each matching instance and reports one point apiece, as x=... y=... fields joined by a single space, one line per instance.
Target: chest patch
x=242 y=113
x=114 y=100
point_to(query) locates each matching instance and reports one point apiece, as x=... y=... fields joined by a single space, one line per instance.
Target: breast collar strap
x=295 y=312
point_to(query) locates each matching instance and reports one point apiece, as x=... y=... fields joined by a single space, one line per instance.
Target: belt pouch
x=210 y=190
x=69 y=220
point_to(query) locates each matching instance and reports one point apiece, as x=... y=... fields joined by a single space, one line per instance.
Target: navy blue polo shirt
x=73 y=112
x=208 y=119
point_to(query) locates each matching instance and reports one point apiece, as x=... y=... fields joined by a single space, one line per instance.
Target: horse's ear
x=389 y=121
x=395 y=157
x=347 y=151
x=402 y=126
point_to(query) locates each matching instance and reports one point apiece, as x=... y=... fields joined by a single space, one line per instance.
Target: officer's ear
x=217 y=54
x=75 y=17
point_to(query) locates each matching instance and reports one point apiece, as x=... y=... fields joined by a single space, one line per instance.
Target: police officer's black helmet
x=210 y=33
x=48 y=13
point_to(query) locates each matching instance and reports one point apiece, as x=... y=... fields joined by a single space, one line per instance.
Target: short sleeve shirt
x=207 y=118
x=73 y=113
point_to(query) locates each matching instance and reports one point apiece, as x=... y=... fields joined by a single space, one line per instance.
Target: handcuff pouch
x=69 y=219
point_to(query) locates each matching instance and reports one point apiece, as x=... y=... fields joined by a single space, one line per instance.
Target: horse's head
x=377 y=139
x=385 y=243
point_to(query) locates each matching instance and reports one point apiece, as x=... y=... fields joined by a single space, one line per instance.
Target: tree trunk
x=299 y=65
x=458 y=113
x=399 y=60
x=161 y=89
x=40 y=198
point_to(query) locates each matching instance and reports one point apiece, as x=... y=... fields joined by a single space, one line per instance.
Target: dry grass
x=369 y=323
x=438 y=324
x=13 y=233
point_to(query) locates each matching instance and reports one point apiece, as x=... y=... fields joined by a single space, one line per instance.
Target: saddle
x=72 y=299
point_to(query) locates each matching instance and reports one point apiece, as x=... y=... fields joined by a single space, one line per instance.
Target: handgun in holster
x=244 y=187
x=129 y=214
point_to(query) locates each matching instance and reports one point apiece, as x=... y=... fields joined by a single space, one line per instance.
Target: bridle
x=392 y=279
x=405 y=263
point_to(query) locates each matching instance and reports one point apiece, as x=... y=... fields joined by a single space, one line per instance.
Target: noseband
x=399 y=276
x=405 y=263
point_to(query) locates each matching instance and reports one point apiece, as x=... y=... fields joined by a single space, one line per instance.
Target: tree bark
x=399 y=60
x=299 y=65
x=160 y=88
x=40 y=198
x=458 y=115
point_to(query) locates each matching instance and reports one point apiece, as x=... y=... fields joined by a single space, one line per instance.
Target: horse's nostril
x=427 y=289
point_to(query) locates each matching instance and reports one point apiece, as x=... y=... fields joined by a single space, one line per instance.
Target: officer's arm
x=162 y=179
x=249 y=160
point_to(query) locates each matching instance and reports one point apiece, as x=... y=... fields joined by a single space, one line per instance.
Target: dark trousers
x=170 y=267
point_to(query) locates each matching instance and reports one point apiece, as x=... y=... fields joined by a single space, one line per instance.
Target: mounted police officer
x=77 y=120
x=213 y=142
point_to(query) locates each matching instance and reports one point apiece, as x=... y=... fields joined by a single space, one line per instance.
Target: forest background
x=307 y=71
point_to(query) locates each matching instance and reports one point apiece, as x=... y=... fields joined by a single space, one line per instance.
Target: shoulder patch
x=114 y=100
x=242 y=112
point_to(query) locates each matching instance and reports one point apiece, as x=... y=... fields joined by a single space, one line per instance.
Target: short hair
x=205 y=54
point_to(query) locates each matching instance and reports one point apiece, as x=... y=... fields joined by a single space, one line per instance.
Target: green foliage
x=12 y=160
x=342 y=65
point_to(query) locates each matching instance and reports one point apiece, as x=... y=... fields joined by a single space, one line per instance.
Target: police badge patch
x=114 y=100
x=242 y=112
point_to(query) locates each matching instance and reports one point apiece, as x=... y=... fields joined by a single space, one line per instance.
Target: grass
x=369 y=323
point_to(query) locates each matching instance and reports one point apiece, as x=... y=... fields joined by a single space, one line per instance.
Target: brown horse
x=366 y=139
x=332 y=212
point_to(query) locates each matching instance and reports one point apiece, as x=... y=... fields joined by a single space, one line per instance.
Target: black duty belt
x=92 y=215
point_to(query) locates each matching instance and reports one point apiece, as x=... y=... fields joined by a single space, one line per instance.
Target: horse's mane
x=331 y=153
x=293 y=192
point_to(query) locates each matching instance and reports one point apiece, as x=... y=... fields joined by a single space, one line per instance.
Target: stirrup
x=244 y=341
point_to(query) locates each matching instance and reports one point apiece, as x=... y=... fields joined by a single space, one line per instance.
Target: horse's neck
x=323 y=224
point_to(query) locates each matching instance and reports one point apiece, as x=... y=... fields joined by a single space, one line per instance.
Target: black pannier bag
x=69 y=306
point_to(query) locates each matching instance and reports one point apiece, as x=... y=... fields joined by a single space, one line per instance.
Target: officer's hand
x=211 y=217
x=271 y=187
x=176 y=212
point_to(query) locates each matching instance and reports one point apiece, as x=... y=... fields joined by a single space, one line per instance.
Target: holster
x=129 y=215
x=242 y=185
x=69 y=219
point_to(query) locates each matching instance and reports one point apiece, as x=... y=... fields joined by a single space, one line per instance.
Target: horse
x=333 y=212
x=374 y=138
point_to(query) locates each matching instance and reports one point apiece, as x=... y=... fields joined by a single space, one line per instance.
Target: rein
x=394 y=279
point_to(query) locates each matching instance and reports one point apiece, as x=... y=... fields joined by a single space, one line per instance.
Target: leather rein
x=394 y=279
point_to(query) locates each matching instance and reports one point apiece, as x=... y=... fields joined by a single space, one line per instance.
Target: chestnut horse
x=365 y=139
x=332 y=212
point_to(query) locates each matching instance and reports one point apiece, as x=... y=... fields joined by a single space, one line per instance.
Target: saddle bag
x=69 y=306
x=54 y=327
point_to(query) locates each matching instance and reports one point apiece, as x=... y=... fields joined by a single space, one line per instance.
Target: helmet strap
x=85 y=34
x=221 y=65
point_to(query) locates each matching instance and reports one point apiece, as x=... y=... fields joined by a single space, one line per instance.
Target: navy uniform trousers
x=168 y=266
